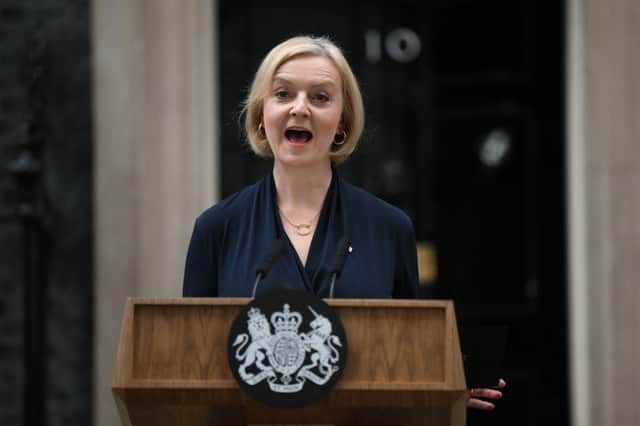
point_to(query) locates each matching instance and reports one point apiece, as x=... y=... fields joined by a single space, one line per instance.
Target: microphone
x=338 y=262
x=267 y=262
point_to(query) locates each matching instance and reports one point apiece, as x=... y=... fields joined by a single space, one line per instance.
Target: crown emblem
x=286 y=321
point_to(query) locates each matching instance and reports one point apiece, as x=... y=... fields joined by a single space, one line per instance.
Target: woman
x=305 y=111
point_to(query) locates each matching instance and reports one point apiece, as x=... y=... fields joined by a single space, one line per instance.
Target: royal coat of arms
x=287 y=358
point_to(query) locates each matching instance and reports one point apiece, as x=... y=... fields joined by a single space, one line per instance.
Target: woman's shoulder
x=231 y=207
x=367 y=205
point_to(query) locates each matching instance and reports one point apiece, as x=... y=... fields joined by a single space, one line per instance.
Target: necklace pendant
x=303 y=229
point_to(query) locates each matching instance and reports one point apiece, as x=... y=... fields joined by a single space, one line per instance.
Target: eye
x=281 y=94
x=321 y=98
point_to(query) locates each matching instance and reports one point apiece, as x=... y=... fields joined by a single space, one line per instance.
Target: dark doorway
x=465 y=132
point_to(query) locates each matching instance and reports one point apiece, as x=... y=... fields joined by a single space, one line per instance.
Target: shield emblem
x=287 y=348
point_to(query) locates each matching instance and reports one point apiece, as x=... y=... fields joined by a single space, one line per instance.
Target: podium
x=404 y=366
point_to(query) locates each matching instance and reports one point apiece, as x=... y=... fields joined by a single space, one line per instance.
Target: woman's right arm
x=200 y=275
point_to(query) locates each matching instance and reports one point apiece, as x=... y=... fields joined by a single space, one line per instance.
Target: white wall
x=604 y=210
x=155 y=156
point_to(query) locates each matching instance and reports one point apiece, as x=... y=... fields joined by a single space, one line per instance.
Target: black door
x=464 y=103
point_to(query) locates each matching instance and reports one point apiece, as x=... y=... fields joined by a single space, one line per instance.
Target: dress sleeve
x=406 y=271
x=200 y=277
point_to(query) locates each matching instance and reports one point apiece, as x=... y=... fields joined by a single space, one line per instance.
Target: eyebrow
x=324 y=82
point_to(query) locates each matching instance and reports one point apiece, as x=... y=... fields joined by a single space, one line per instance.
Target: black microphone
x=338 y=262
x=267 y=262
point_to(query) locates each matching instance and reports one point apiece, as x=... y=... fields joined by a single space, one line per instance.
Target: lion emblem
x=260 y=332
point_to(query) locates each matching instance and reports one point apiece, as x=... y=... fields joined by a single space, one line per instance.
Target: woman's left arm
x=406 y=262
x=406 y=286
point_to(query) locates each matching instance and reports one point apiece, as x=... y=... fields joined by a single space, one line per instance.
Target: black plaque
x=287 y=349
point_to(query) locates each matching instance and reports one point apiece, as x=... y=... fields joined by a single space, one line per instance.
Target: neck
x=301 y=187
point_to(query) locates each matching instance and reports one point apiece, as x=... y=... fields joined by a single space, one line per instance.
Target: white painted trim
x=578 y=302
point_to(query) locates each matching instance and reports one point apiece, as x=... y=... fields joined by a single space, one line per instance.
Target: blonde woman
x=304 y=110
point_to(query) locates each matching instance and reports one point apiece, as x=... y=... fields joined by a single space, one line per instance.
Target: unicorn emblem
x=322 y=344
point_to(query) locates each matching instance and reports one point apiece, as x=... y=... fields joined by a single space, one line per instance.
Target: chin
x=292 y=160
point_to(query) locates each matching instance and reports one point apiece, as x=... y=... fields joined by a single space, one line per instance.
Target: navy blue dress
x=231 y=238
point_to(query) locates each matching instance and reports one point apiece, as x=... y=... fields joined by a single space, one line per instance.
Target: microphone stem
x=333 y=281
x=255 y=285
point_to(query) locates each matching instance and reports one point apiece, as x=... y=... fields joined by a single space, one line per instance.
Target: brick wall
x=66 y=159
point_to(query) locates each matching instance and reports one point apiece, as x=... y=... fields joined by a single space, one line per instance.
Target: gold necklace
x=302 y=229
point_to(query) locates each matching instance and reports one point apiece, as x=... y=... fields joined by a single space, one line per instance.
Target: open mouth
x=298 y=135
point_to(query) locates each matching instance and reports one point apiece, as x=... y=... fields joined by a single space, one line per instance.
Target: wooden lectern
x=404 y=366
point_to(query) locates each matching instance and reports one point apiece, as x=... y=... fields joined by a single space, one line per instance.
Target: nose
x=299 y=107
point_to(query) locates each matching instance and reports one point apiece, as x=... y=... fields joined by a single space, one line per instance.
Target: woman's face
x=302 y=111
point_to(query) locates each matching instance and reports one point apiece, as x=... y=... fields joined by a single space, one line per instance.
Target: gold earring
x=340 y=138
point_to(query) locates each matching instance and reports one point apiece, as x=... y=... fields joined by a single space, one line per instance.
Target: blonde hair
x=352 y=107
